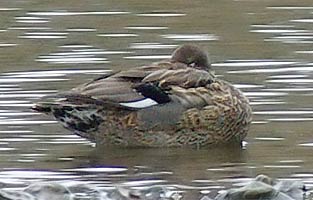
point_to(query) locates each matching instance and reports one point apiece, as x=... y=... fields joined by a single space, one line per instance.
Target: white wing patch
x=142 y=103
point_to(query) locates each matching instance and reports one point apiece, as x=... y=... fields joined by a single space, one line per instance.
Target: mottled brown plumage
x=176 y=102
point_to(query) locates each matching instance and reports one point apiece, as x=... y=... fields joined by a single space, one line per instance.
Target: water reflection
x=29 y=28
x=152 y=46
x=81 y=30
x=290 y=32
x=303 y=21
x=142 y=175
x=191 y=37
x=44 y=35
x=118 y=35
x=149 y=57
x=71 y=54
x=32 y=20
x=290 y=7
x=268 y=56
x=146 y=27
x=71 y=13
x=7 y=45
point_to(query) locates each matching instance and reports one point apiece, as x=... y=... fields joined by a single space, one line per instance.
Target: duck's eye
x=195 y=65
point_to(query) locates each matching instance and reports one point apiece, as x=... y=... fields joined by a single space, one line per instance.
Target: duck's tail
x=83 y=120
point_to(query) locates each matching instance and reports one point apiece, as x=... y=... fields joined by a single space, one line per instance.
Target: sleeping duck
x=172 y=103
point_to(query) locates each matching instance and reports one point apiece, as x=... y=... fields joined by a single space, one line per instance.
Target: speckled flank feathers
x=172 y=103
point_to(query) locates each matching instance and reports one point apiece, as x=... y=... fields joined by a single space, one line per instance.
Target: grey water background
x=263 y=47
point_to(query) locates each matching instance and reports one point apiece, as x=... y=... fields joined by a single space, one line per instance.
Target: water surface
x=263 y=47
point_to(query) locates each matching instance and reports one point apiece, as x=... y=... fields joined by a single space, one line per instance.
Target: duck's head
x=193 y=56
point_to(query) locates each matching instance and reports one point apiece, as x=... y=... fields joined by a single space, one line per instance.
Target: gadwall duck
x=172 y=103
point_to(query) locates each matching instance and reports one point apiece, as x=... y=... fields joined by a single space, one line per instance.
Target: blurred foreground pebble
x=261 y=188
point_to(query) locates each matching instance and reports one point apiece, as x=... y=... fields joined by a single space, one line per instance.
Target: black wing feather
x=153 y=92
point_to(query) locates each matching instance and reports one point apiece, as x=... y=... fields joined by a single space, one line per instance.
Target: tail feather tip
x=41 y=108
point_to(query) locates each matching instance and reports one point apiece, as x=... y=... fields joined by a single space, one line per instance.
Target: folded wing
x=140 y=87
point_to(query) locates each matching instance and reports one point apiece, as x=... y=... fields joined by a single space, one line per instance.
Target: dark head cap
x=193 y=56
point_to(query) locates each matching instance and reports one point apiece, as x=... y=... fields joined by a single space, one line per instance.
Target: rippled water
x=263 y=47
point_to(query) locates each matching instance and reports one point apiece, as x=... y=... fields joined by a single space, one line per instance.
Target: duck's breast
x=225 y=115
